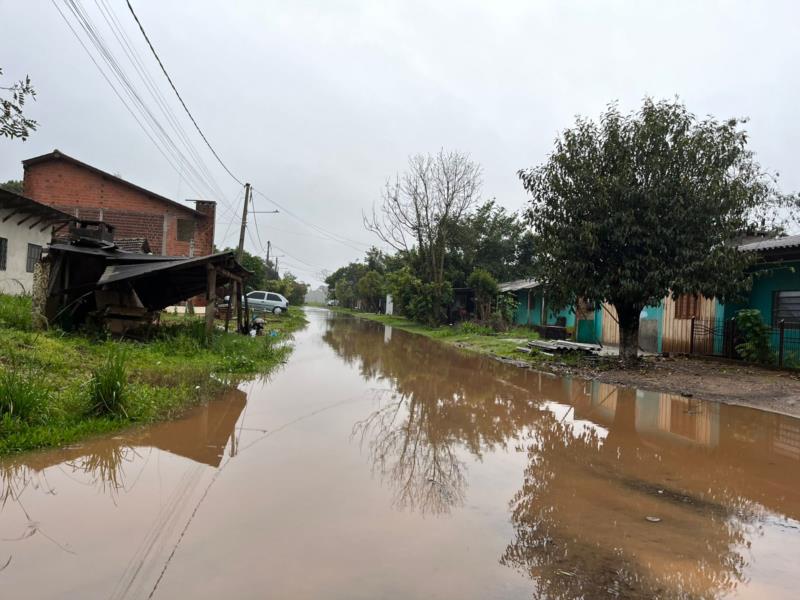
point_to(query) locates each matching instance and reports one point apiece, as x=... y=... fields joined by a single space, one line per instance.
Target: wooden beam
x=11 y=214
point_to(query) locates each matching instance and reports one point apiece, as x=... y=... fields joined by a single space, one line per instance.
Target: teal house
x=688 y=323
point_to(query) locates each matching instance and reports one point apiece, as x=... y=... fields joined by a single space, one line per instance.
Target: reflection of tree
x=580 y=520
x=441 y=402
x=580 y=526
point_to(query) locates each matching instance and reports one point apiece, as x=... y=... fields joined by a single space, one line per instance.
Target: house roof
x=25 y=210
x=58 y=155
x=517 y=284
x=789 y=241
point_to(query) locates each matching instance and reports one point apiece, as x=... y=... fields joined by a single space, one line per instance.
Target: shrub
x=756 y=334
x=485 y=287
x=22 y=397
x=107 y=386
x=470 y=328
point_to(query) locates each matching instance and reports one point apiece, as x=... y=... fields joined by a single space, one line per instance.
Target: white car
x=259 y=301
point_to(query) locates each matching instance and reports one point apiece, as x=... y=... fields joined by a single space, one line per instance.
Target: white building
x=26 y=227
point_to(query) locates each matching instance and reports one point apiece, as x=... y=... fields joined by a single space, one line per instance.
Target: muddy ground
x=730 y=382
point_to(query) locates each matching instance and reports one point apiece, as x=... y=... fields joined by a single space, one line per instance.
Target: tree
x=485 y=287
x=12 y=185
x=344 y=293
x=419 y=206
x=13 y=123
x=642 y=205
x=371 y=289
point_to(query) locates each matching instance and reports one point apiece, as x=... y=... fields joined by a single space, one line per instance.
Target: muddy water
x=381 y=465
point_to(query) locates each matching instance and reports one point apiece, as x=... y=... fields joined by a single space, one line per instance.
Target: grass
x=58 y=387
x=468 y=336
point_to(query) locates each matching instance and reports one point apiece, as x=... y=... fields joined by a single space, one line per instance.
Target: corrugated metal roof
x=789 y=241
x=517 y=284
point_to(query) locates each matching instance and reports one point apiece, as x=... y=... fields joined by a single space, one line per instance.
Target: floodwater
x=380 y=465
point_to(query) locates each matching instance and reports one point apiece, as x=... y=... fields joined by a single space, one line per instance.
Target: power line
x=186 y=108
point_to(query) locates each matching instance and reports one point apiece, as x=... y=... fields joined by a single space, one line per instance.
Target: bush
x=470 y=328
x=15 y=312
x=22 y=397
x=756 y=345
x=107 y=386
x=485 y=287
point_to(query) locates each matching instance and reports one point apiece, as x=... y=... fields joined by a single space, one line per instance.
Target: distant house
x=86 y=192
x=26 y=227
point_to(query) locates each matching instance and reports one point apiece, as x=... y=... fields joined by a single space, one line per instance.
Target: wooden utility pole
x=268 y=246
x=240 y=249
x=211 y=295
x=276 y=267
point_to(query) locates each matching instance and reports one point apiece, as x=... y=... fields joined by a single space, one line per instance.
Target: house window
x=185 y=230
x=34 y=254
x=3 y=253
x=686 y=306
x=786 y=307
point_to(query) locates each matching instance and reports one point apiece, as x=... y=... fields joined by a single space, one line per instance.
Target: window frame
x=792 y=323
x=252 y=296
x=187 y=223
x=275 y=297
x=686 y=306
x=3 y=254
x=33 y=257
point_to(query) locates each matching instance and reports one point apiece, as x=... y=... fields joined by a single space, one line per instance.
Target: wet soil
x=378 y=464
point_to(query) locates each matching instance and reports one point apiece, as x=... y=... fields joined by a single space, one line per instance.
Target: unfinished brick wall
x=92 y=195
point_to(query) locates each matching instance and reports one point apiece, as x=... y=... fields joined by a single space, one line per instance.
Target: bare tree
x=418 y=206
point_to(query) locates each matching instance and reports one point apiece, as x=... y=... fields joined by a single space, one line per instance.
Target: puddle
x=379 y=464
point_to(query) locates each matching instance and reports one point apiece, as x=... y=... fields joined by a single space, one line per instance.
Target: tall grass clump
x=108 y=385
x=15 y=312
x=22 y=397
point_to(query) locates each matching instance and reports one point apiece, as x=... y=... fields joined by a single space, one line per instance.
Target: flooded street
x=377 y=464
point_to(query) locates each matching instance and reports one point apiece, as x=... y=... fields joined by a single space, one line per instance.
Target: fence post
x=691 y=338
x=781 y=325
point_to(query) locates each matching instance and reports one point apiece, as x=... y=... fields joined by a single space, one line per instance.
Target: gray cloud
x=317 y=103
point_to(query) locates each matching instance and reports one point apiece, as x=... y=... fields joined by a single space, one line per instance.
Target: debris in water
x=654 y=519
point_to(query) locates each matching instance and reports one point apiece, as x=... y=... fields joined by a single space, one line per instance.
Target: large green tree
x=636 y=206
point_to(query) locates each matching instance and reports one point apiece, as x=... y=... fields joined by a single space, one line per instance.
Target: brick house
x=169 y=228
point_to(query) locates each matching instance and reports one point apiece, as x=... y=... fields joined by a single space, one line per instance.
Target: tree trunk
x=628 y=332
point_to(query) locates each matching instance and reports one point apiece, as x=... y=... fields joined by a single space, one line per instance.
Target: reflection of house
x=86 y=192
x=26 y=227
x=202 y=436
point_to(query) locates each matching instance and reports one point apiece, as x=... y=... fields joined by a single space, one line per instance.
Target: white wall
x=15 y=279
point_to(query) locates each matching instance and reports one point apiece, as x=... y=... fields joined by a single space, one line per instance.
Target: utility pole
x=268 y=246
x=240 y=249
x=276 y=267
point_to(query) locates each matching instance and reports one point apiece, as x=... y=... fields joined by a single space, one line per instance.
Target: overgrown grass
x=58 y=387
x=467 y=335
x=15 y=311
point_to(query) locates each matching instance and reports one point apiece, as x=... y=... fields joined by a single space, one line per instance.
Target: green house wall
x=534 y=317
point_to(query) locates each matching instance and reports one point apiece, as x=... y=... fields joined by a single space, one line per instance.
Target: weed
x=22 y=397
x=107 y=386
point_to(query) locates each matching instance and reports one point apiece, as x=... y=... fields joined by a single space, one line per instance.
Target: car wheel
x=277 y=310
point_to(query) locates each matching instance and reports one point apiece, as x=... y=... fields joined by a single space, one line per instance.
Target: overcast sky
x=316 y=103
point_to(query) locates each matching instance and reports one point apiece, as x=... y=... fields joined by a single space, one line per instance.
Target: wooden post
x=211 y=298
x=246 y=315
x=691 y=337
x=238 y=287
x=781 y=326
x=228 y=308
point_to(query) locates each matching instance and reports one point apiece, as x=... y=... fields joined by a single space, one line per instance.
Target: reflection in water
x=201 y=436
x=626 y=493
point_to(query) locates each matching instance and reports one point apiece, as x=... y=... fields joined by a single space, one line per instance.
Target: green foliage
x=13 y=185
x=470 y=328
x=371 y=289
x=107 y=388
x=404 y=286
x=22 y=396
x=15 y=312
x=507 y=304
x=756 y=345
x=428 y=304
x=13 y=123
x=490 y=239
x=636 y=206
x=485 y=288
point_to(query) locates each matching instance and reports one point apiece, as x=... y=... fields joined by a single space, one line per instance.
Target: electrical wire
x=186 y=108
